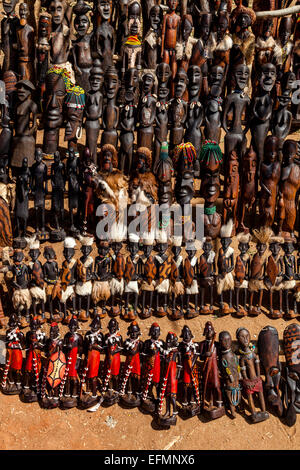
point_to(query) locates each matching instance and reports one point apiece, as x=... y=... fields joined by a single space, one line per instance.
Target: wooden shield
x=203 y=266
x=272 y=270
x=188 y=272
x=291 y=346
x=150 y=270
x=129 y=270
x=174 y=272
x=239 y=270
x=256 y=266
x=119 y=266
x=56 y=369
x=164 y=270
x=268 y=348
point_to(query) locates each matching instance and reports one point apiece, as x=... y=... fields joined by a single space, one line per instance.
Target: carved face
x=23 y=92
x=207 y=247
x=176 y=250
x=23 y=12
x=209 y=331
x=243 y=247
x=284 y=100
x=68 y=253
x=154 y=332
x=288 y=248
x=233 y=170
x=103 y=249
x=54 y=332
x=163 y=72
x=241 y=75
x=107 y=158
x=261 y=248
x=163 y=92
x=173 y=4
x=243 y=338
x=133 y=248
x=44 y=26
x=134 y=332
x=216 y=75
x=74 y=121
x=226 y=242
x=222 y=26
x=267 y=77
x=96 y=80
x=186 y=335
x=155 y=17
x=111 y=84
x=249 y=167
x=38 y=155
x=285 y=30
x=148 y=83
x=267 y=28
x=205 y=26
x=113 y=326
x=171 y=340
x=81 y=25
x=289 y=81
x=225 y=341
x=187 y=28
x=57 y=11
x=86 y=250
x=54 y=99
x=104 y=8
x=274 y=248
x=271 y=149
x=289 y=151
x=9 y=6
x=18 y=256
x=131 y=80
x=184 y=187
x=34 y=254
x=191 y=252
x=134 y=22
x=147 y=250
x=243 y=20
x=210 y=185
x=194 y=76
x=180 y=84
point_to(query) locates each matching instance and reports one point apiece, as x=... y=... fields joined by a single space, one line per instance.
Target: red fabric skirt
x=93 y=364
x=252 y=385
x=135 y=363
x=16 y=359
x=115 y=364
x=29 y=361
x=156 y=369
x=72 y=366
x=187 y=379
x=172 y=381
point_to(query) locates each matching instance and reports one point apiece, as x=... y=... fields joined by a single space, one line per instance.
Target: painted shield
x=56 y=369
x=291 y=346
x=240 y=270
x=272 y=270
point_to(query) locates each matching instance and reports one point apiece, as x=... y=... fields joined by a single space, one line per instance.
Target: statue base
x=87 y=401
x=67 y=403
x=110 y=398
x=130 y=401
x=57 y=235
x=166 y=421
x=189 y=411
x=148 y=406
x=259 y=416
x=213 y=412
x=28 y=396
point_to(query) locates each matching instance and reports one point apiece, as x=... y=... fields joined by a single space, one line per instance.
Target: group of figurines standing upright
x=208 y=377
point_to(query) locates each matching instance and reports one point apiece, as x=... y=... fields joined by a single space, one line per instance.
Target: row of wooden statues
x=168 y=278
x=209 y=377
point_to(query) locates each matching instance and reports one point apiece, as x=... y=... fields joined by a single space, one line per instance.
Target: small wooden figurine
x=15 y=343
x=225 y=281
x=230 y=372
x=242 y=273
x=112 y=345
x=102 y=275
x=84 y=276
x=291 y=396
x=189 y=354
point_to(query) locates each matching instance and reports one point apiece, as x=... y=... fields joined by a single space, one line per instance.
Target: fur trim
x=69 y=242
x=146 y=184
x=211 y=257
x=101 y=291
x=229 y=252
x=132 y=286
x=116 y=286
x=148 y=287
x=265 y=43
x=176 y=241
x=244 y=284
x=225 y=283
x=21 y=299
x=32 y=243
x=118 y=232
x=38 y=293
x=243 y=237
x=276 y=240
x=133 y=237
x=161 y=236
x=151 y=38
x=226 y=230
x=148 y=237
x=289 y=284
x=193 y=289
x=177 y=288
x=225 y=44
x=256 y=284
x=86 y=241
x=83 y=288
x=262 y=235
x=114 y=189
x=67 y=294
x=185 y=49
x=163 y=287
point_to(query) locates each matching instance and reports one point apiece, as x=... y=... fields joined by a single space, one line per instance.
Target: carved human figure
x=113 y=345
x=224 y=280
x=282 y=120
x=104 y=36
x=84 y=275
x=128 y=119
x=230 y=372
x=110 y=110
x=22 y=198
x=231 y=189
x=15 y=343
x=132 y=47
x=274 y=272
x=131 y=276
x=147 y=108
x=206 y=273
x=9 y=26
x=178 y=109
x=176 y=279
x=163 y=270
x=81 y=46
x=224 y=43
x=203 y=49
x=248 y=187
x=74 y=109
x=93 y=109
x=42 y=51
x=67 y=278
x=72 y=171
x=60 y=36
x=213 y=105
x=184 y=47
x=25 y=44
x=152 y=39
x=170 y=35
x=184 y=158
x=39 y=189
x=289 y=277
x=148 y=274
x=242 y=273
x=58 y=181
x=51 y=277
x=53 y=109
x=102 y=276
x=190 y=275
x=189 y=351
x=37 y=283
x=291 y=336
x=162 y=115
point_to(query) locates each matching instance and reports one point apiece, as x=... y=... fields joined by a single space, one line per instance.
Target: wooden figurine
x=117 y=236
x=184 y=158
x=163 y=270
x=58 y=181
x=282 y=119
x=81 y=46
x=170 y=374
x=73 y=346
x=206 y=273
x=6 y=199
x=162 y=115
x=270 y=171
x=132 y=47
x=35 y=344
x=144 y=185
x=84 y=276
x=164 y=171
x=68 y=278
x=288 y=187
x=203 y=49
x=15 y=343
x=147 y=110
x=213 y=105
x=93 y=109
x=152 y=39
x=37 y=283
x=42 y=51
x=230 y=372
x=54 y=369
x=39 y=188
x=72 y=171
x=184 y=47
x=224 y=43
x=25 y=125
x=93 y=346
x=102 y=276
x=9 y=25
x=131 y=276
x=22 y=200
x=74 y=109
x=170 y=35
x=153 y=349
x=248 y=187
x=190 y=274
x=113 y=345
x=148 y=275
x=178 y=109
x=268 y=349
x=176 y=279
x=225 y=280
x=258 y=269
x=251 y=380
x=212 y=402
x=231 y=190
x=274 y=272
x=266 y=48
x=60 y=36
x=25 y=44
x=188 y=349
x=104 y=36
x=210 y=160
x=110 y=110
x=128 y=117
x=130 y=385
x=242 y=273
x=289 y=277
x=291 y=391
x=51 y=278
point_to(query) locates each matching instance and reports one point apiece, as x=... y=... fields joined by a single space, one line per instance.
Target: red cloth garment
x=93 y=363
x=186 y=371
x=156 y=369
x=16 y=359
x=252 y=385
x=172 y=381
x=72 y=366
x=29 y=360
x=135 y=363
x=115 y=364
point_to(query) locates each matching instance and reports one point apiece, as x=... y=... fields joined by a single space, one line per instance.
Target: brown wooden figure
x=291 y=395
x=288 y=187
x=73 y=348
x=81 y=46
x=58 y=181
x=93 y=346
x=93 y=109
x=25 y=125
x=270 y=171
x=178 y=109
x=242 y=273
x=89 y=170
x=75 y=104
x=170 y=374
x=6 y=200
x=195 y=113
x=210 y=160
x=266 y=49
x=203 y=49
x=25 y=44
x=110 y=110
x=68 y=278
x=117 y=236
x=282 y=119
x=258 y=269
x=248 y=187
x=152 y=354
x=189 y=351
x=164 y=171
x=35 y=343
x=289 y=277
x=147 y=111
x=152 y=39
x=113 y=345
x=163 y=270
x=176 y=279
x=144 y=186
x=206 y=273
x=274 y=275
x=54 y=369
x=213 y=105
x=268 y=350
x=190 y=274
x=37 y=283
x=148 y=275
x=55 y=91
x=225 y=280
x=132 y=47
x=170 y=35
x=15 y=343
x=104 y=36
x=128 y=119
x=72 y=172
x=131 y=276
x=51 y=278
x=184 y=48
x=39 y=189
x=130 y=385
x=251 y=380
x=223 y=44
x=230 y=372
x=261 y=108
x=162 y=115
x=84 y=276
x=60 y=36
x=239 y=104
x=231 y=190
x=184 y=158
x=102 y=276
x=9 y=25
x=22 y=200
x=42 y=51
x=212 y=402
x=284 y=61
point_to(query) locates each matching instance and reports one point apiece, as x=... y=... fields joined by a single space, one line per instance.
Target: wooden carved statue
x=81 y=46
x=25 y=44
x=230 y=372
